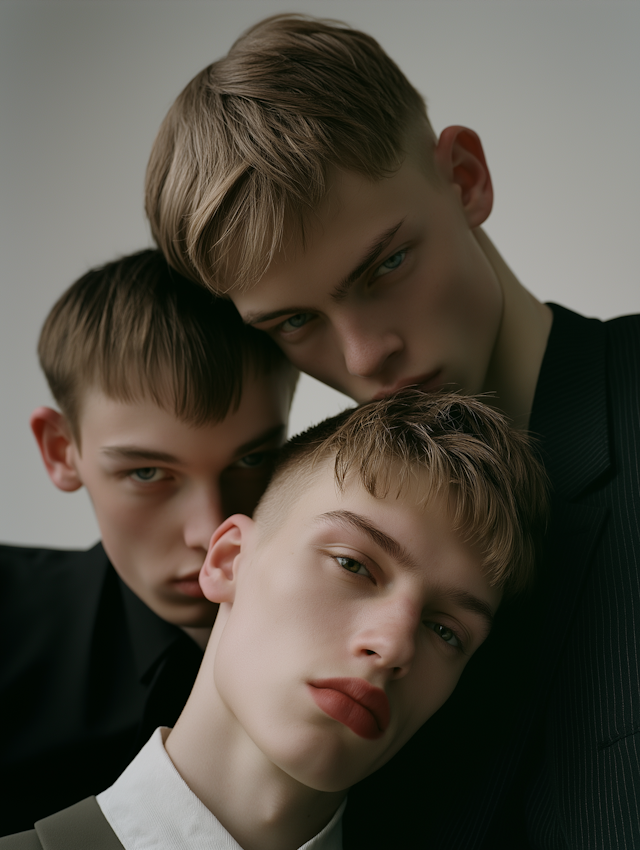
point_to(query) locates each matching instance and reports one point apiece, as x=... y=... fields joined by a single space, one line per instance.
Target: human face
x=160 y=487
x=390 y=289
x=350 y=626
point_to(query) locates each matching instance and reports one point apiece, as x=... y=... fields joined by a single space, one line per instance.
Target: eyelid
x=268 y=453
x=462 y=636
x=279 y=328
x=335 y=551
x=390 y=256
x=130 y=473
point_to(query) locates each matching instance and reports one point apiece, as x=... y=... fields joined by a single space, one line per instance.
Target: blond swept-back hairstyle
x=135 y=329
x=454 y=447
x=246 y=148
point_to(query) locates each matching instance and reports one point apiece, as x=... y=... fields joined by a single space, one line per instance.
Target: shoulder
x=22 y=565
x=623 y=338
x=75 y=828
x=47 y=596
x=21 y=841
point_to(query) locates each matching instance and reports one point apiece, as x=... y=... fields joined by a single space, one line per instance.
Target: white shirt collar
x=150 y=807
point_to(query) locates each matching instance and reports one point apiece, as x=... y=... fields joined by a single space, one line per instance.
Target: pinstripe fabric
x=539 y=746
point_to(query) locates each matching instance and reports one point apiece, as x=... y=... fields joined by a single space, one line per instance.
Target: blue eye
x=293 y=323
x=391 y=263
x=146 y=474
x=447 y=634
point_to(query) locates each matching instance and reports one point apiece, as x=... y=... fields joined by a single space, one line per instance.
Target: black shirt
x=87 y=672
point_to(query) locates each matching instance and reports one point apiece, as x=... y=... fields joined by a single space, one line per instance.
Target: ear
x=461 y=162
x=57 y=447
x=219 y=571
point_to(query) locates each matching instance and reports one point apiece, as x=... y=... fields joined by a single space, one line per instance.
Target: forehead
x=422 y=537
x=262 y=414
x=356 y=222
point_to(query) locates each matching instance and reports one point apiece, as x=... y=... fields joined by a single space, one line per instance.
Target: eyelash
x=461 y=644
x=252 y=461
x=340 y=558
x=281 y=327
x=155 y=469
x=377 y=273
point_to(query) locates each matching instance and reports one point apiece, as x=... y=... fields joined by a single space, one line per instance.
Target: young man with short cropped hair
x=349 y=607
x=171 y=412
x=300 y=175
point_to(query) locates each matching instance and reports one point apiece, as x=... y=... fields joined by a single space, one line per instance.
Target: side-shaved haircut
x=246 y=150
x=455 y=447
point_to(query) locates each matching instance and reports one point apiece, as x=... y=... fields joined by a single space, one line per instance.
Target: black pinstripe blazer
x=539 y=747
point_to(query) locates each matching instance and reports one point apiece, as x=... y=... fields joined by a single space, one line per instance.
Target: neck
x=262 y=807
x=521 y=343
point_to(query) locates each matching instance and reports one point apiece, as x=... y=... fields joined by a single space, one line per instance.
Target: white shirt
x=150 y=807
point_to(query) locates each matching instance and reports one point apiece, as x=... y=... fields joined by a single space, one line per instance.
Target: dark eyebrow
x=461 y=598
x=276 y=433
x=374 y=251
x=136 y=453
x=259 y=318
x=394 y=549
x=469 y=602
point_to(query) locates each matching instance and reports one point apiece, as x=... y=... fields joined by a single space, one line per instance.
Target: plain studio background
x=551 y=87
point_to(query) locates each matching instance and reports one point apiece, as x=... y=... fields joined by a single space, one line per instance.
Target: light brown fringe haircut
x=455 y=447
x=135 y=329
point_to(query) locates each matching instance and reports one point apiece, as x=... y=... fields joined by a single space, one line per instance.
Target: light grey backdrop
x=550 y=85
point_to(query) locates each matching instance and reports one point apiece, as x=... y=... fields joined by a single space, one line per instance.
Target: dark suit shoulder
x=48 y=600
x=66 y=574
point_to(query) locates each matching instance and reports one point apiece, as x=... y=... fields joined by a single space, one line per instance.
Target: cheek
x=131 y=529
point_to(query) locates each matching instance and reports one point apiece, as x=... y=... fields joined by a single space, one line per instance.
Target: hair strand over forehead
x=135 y=329
x=453 y=447
x=247 y=147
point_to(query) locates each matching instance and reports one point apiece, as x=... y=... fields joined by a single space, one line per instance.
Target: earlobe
x=461 y=161
x=219 y=571
x=56 y=445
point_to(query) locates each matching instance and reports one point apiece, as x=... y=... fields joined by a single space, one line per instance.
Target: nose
x=203 y=513
x=388 y=638
x=367 y=345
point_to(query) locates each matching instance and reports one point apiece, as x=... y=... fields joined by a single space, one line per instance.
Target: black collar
x=151 y=636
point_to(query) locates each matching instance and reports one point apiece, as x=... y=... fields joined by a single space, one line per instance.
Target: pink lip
x=360 y=706
x=189 y=585
x=427 y=383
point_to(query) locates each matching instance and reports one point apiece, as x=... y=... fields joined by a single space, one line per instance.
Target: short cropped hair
x=136 y=329
x=246 y=148
x=455 y=447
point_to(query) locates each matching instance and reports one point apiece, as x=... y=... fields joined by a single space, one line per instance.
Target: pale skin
x=160 y=487
x=398 y=284
x=380 y=591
